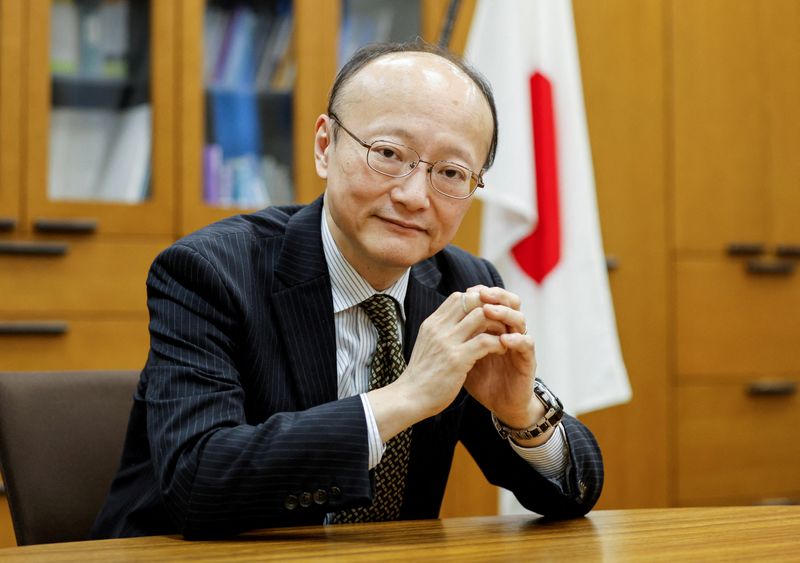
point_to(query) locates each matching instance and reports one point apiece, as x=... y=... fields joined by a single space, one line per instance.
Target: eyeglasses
x=396 y=160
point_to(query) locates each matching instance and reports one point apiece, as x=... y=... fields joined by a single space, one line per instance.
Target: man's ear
x=322 y=142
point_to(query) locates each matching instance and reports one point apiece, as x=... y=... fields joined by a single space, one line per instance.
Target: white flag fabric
x=540 y=225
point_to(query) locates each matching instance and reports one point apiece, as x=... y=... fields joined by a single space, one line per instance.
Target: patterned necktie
x=387 y=365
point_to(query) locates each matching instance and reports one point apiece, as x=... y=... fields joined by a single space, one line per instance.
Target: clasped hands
x=477 y=340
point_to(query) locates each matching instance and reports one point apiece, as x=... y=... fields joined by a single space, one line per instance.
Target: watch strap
x=553 y=414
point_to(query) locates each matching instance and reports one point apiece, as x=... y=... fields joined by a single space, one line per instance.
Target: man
x=317 y=364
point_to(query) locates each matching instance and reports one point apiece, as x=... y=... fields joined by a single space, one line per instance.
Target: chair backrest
x=61 y=438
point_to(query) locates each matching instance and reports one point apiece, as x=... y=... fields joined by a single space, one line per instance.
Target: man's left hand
x=503 y=383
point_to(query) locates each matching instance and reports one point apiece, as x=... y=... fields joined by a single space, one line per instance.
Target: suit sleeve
x=504 y=468
x=576 y=494
x=219 y=472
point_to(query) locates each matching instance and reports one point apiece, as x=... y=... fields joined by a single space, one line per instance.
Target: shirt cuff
x=376 y=447
x=551 y=458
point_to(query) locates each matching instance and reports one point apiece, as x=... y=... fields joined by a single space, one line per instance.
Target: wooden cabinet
x=736 y=442
x=72 y=269
x=731 y=322
x=736 y=136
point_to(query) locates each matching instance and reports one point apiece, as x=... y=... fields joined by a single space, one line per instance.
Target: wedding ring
x=464 y=302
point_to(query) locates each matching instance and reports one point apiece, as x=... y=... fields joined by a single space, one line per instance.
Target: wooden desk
x=673 y=534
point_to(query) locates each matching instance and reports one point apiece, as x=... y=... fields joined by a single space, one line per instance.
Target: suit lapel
x=304 y=309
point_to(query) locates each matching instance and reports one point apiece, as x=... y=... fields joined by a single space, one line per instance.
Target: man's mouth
x=404 y=224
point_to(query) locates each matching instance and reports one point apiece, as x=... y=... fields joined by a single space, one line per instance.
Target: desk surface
x=673 y=534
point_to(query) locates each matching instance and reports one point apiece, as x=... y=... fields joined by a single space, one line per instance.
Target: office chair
x=61 y=437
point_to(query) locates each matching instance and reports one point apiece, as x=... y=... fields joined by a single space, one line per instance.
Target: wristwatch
x=554 y=411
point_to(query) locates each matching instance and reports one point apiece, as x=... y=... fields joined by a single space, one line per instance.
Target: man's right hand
x=447 y=347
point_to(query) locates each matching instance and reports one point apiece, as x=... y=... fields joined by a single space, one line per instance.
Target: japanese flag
x=540 y=225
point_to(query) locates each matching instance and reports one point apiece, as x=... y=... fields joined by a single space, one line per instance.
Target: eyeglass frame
x=479 y=183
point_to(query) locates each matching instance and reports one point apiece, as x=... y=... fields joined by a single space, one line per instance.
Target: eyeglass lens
x=397 y=160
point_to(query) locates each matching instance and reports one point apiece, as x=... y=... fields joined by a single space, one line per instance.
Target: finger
x=476 y=322
x=522 y=345
x=451 y=308
x=499 y=296
x=470 y=300
x=478 y=288
x=513 y=319
x=482 y=345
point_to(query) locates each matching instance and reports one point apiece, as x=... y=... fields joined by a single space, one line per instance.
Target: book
x=79 y=143
x=125 y=171
x=238 y=67
x=234 y=116
x=215 y=25
x=212 y=167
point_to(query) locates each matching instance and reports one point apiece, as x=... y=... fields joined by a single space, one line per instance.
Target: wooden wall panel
x=720 y=141
x=622 y=61
x=11 y=54
x=780 y=26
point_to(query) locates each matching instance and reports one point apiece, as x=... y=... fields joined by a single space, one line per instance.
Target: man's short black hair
x=374 y=51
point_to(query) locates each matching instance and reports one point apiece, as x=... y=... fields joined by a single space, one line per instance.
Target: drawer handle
x=7 y=224
x=66 y=226
x=773 y=268
x=788 y=251
x=24 y=248
x=33 y=328
x=745 y=248
x=612 y=263
x=771 y=388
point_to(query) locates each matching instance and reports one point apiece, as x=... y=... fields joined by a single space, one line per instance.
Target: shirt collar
x=347 y=286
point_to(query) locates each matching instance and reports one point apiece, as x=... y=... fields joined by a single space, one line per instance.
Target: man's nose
x=412 y=191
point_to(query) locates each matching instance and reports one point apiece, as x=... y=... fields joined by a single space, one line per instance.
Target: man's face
x=384 y=225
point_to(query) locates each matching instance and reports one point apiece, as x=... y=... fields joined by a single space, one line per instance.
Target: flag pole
x=449 y=22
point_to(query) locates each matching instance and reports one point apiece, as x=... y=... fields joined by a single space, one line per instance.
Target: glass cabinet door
x=241 y=62
x=100 y=134
x=248 y=78
x=10 y=100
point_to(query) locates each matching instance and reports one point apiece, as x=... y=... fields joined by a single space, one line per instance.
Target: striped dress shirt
x=356 y=338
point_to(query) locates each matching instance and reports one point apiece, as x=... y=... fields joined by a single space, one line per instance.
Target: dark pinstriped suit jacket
x=237 y=408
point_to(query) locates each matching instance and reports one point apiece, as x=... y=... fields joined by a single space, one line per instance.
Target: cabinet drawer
x=89 y=344
x=730 y=322
x=733 y=444
x=95 y=275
